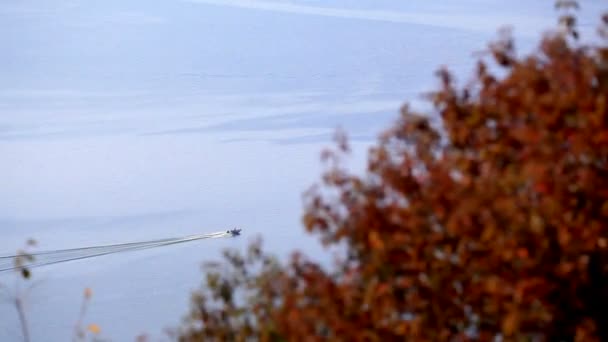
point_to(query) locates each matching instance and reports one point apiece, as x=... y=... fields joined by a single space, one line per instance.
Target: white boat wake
x=64 y=255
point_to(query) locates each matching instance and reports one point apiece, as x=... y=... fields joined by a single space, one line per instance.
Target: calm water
x=150 y=119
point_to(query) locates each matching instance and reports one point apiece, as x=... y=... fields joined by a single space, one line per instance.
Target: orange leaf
x=510 y=323
x=522 y=253
x=94 y=328
x=375 y=241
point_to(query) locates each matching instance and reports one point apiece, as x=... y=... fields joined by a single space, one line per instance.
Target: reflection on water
x=151 y=119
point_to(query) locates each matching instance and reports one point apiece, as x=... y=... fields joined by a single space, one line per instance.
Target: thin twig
x=22 y=318
x=78 y=331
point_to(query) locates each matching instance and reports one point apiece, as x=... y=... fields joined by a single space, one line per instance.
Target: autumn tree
x=491 y=222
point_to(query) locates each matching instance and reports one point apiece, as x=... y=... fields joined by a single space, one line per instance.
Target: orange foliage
x=494 y=224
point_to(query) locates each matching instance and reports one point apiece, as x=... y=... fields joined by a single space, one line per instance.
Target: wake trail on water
x=65 y=255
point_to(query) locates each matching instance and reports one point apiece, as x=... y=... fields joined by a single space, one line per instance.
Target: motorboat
x=234 y=232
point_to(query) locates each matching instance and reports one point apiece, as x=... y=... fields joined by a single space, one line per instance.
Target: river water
x=141 y=120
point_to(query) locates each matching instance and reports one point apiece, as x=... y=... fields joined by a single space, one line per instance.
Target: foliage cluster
x=492 y=224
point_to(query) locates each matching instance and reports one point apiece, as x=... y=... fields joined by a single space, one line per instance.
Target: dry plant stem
x=78 y=333
x=22 y=318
